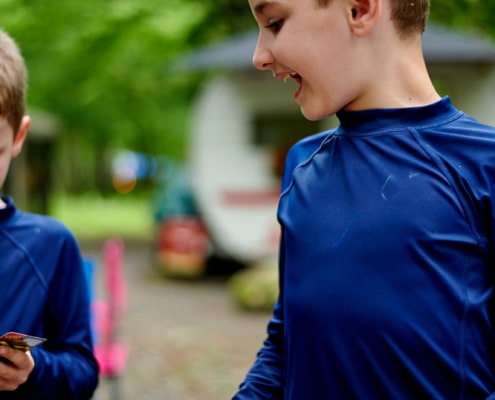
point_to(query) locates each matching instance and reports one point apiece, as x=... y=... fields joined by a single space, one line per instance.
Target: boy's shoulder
x=304 y=148
x=465 y=134
x=475 y=126
x=24 y=224
x=18 y=222
x=302 y=151
x=41 y=222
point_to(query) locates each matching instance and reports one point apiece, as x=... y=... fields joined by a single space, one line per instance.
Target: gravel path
x=187 y=340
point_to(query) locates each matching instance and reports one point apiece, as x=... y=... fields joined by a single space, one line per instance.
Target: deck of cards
x=20 y=341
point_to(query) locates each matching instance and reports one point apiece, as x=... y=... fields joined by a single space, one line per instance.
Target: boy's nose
x=262 y=57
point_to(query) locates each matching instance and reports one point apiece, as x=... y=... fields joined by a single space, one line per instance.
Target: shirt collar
x=386 y=119
x=9 y=208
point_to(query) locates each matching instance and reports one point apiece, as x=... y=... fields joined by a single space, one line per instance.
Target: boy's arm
x=65 y=367
x=266 y=378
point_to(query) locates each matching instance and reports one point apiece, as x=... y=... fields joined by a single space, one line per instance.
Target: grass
x=92 y=217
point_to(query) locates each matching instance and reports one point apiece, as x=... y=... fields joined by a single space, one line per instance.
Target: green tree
x=475 y=16
x=100 y=67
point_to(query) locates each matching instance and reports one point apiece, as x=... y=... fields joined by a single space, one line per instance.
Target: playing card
x=20 y=341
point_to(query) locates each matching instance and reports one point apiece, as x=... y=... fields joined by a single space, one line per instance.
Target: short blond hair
x=13 y=77
x=409 y=16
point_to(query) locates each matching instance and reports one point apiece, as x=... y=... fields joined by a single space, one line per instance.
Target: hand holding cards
x=16 y=361
x=20 y=341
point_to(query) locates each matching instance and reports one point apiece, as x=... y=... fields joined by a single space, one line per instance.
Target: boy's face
x=310 y=45
x=10 y=147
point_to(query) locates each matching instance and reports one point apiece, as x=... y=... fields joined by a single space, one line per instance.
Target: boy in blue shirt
x=387 y=254
x=43 y=286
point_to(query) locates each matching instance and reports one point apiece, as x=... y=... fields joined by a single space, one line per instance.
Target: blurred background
x=151 y=125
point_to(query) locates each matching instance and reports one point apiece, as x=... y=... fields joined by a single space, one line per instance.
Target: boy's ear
x=363 y=15
x=21 y=135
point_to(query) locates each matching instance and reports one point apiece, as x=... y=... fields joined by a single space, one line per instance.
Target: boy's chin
x=313 y=114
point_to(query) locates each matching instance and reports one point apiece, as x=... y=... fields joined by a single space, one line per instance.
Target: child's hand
x=15 y=367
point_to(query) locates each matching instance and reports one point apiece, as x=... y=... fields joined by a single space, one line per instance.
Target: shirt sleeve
x=265 y=380
x=65 y=367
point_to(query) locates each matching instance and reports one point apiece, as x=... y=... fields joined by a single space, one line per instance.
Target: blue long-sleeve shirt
x=44 y=293
x=387 y=262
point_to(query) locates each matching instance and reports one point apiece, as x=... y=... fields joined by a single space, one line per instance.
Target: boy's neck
x=394 y=71
x=2 y=204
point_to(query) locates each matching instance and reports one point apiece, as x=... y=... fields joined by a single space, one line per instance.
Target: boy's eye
x=275 y=25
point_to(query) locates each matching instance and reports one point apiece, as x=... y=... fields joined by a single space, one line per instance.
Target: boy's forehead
x=258 y=6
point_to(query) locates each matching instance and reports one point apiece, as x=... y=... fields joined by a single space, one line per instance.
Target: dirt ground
x=187 y=340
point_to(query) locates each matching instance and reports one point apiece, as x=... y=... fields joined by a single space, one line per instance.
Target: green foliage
x=220 y=19
x=100 y=67
x=475 y=16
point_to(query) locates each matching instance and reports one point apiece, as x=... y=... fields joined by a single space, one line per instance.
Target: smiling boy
x=388 y=227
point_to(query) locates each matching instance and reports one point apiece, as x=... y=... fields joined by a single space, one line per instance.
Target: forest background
x=101 y=67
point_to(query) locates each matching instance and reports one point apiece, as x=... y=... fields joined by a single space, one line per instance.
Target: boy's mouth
x=285 y=76
x=288 y=75
x=296 y=78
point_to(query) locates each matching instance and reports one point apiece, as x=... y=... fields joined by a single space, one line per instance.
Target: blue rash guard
x=44 y=293
x=387 y=262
